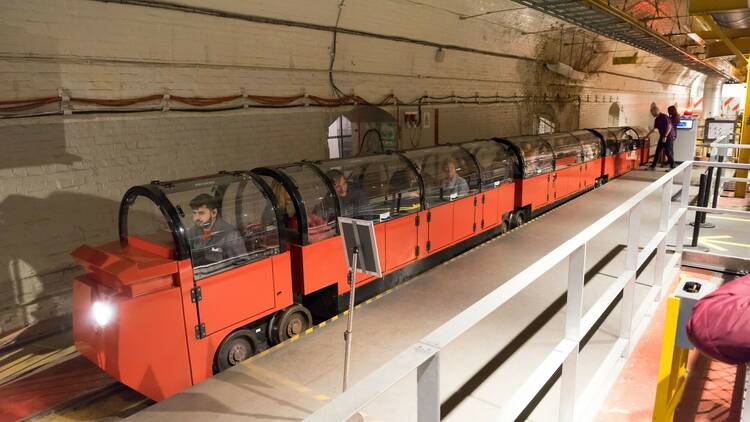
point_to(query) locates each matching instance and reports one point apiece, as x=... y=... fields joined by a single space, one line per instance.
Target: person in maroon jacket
x=663 y=124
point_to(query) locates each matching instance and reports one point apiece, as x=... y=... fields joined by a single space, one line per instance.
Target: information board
x=715 y=129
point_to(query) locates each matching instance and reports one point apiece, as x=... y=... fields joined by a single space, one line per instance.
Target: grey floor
x=481 y=369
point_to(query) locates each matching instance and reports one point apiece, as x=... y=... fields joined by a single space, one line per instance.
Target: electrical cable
x=336 y=91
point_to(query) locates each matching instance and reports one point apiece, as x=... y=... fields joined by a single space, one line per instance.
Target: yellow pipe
x=741 y=187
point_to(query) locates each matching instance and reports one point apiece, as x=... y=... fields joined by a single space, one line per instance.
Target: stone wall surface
x=62 y=177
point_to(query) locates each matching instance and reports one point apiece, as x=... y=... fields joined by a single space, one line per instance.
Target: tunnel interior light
x=103 y=312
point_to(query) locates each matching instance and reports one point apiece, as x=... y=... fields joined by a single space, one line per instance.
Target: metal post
x=350 y=322
x=684 y=194
x=697 y=222
x=706 y=196
x=661 y=251
x=428 y=390
x=628 y=292
x=717 y=183
x=574 y=312
x=740 y=188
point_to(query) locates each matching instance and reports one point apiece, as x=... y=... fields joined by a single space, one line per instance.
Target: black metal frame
x=481 y=175
x=419 y=174
x=413 y=168
x=521 y=159
x=268 y=193
x=600 y=132
x=157 y=196
x=597 y=136
x=294 y=194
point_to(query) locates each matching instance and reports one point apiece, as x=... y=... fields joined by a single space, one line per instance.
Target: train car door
x=439 y=227
x=464 y=217
x=490 y=214
x=401 y=241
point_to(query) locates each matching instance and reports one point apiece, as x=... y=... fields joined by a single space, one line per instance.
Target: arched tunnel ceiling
x=660 y=27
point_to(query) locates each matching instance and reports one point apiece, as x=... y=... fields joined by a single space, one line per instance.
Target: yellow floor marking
x=309 y=330
x=715 y=241
x=721 y=217
x=321 y=397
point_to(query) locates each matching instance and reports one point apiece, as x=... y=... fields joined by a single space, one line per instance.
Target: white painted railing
x=424 y=356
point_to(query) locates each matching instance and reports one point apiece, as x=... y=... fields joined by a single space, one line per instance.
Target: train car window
x=290 y=222
x=223 y=216
x=567 y=149
x=536 y=154
x=448 y=173
x=147 y=222
x=376 y=187
x=628 y=137
x=317 y=200
x=591 y=144
x=611 y=143
x=495 y=161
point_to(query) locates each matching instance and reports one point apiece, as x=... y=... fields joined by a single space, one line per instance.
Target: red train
x=211 y=270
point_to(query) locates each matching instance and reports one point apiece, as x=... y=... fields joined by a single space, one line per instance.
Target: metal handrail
x=424 y=355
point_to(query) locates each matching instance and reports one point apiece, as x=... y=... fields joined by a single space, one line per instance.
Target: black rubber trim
x=268 y=193
x=413 y=167
x=291 y=187
x=157 y=196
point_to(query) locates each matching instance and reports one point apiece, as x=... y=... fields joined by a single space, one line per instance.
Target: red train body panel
x=211 y=270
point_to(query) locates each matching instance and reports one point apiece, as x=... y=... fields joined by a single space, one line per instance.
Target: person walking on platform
x=663 y=124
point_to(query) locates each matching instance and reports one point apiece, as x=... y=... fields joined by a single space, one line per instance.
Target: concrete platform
x=479 y=370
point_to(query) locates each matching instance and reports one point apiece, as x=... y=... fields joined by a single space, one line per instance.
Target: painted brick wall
x=61 y=178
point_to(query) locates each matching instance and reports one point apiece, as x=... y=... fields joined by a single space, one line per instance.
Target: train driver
x=453 y=184
x=212 y=239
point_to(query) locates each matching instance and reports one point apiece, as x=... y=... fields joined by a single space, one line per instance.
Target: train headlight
x=103 y=312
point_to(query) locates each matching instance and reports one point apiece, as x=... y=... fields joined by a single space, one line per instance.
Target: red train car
x=210 y=270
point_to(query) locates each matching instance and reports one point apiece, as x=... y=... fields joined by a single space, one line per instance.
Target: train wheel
x=520 y=218
x=504 y=227
x=237 y=347
x=292 y=321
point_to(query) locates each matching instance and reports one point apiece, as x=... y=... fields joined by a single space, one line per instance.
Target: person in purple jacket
x=663 y=124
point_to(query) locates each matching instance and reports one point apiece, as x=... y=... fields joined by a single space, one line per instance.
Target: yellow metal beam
x=732 y=46
x=721 y=49
x=731 y=33
x=740 y=187
x=705 y=7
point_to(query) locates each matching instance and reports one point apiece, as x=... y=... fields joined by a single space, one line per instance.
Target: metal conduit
x=612 y=23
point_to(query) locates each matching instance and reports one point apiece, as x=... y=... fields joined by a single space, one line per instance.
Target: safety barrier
x=672 y=367
x=424 y=356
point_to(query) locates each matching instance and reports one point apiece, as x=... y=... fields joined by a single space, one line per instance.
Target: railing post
x=574 y=312
x=680 y=238
x=660 y=260
x=628 y=292
x=428 y=390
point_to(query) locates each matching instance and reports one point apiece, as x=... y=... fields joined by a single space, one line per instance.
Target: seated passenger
x=286 y=207
x=350 y=198
x=452 y=184
x=212 y=239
